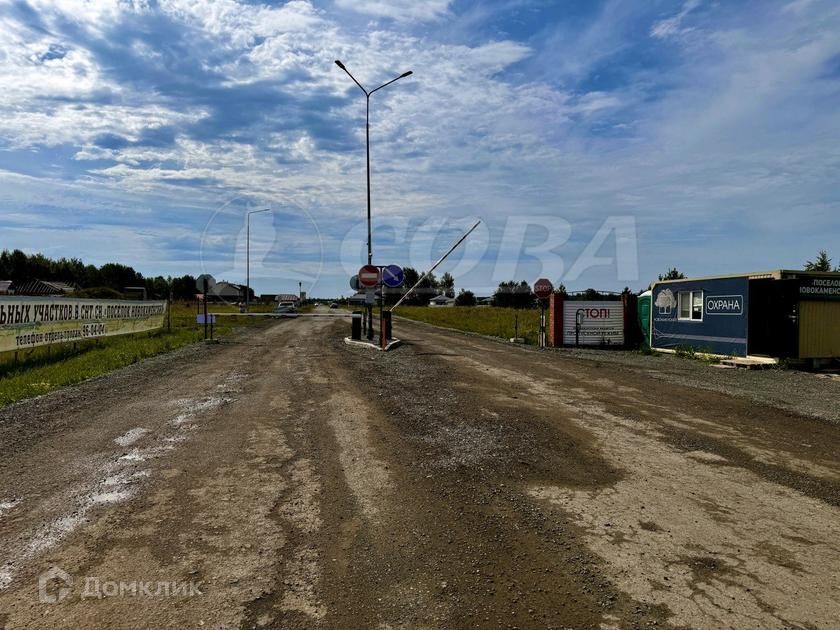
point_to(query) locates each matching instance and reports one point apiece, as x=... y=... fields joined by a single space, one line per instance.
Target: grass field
x=485 y=320
x=43 y=369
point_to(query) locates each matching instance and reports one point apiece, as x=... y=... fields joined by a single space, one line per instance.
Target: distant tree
x=672 y=274
x=594 y=294
x=184 y=288
x=447 y=285
x=512 y=294
x=157 y=288
x=822 y=262
x=465 y=298
x=411 y=277
x=90 y=277
x=425 y=291
x=561 y=290
x=119 y=276
x=17 y=267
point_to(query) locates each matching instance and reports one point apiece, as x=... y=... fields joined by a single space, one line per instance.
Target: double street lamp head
x=368 y=93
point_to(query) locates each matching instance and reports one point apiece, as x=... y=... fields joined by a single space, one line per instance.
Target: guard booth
x=780 y=314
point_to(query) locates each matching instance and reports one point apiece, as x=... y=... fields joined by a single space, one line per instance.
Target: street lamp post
x=248 y=257
x=367 y=146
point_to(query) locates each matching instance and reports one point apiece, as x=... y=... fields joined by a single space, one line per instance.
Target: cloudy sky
x=599 y=142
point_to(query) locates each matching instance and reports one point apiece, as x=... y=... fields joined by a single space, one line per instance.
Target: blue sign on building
x=724 y=304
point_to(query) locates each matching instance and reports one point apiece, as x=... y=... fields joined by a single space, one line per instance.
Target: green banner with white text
x=27 y=322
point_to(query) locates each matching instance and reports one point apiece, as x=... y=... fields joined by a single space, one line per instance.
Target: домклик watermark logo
x=56 y=585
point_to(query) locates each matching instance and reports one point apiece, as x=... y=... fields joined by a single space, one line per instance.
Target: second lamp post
x=248 y=257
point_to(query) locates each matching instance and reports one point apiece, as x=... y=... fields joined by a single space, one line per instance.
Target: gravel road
x=283 y=479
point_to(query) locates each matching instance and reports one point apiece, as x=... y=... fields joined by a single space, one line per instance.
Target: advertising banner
x=27 y=322
x=601 y=323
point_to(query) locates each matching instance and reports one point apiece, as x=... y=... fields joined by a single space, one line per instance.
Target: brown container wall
x=555 y=320
x=632 y=331
x=819 y=329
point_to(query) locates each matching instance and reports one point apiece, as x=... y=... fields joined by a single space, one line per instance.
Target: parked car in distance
x=284 y=308
x=334 y=305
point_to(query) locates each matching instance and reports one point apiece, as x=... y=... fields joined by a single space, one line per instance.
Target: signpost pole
x=206 y=288
x=382 y=341
x=542 y=289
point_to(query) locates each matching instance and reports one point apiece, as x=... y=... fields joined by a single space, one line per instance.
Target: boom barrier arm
x=435 y=266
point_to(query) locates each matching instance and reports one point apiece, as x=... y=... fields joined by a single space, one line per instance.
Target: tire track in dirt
x=717 y=541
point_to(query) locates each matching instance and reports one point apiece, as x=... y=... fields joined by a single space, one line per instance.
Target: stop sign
x=543 y=288
x=369 y=276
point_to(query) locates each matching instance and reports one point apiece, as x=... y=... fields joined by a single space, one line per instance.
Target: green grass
x=484 y=320
x=44 y=369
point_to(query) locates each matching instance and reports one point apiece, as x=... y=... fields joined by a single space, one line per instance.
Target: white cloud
x=400 y=10
x=742 y=127
x=672 y=27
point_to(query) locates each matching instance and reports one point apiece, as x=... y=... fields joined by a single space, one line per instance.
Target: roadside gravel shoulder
x=33 y=418
x=802 y=392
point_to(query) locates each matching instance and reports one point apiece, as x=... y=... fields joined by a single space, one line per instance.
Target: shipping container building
x=779 y=314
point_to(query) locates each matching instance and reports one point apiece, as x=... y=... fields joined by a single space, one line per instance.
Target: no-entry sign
x=543 y=288
x=369 y=276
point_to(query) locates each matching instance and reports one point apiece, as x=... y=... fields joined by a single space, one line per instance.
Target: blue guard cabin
x=782 y=314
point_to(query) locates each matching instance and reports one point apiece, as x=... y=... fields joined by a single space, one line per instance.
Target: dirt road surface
x=283 y=479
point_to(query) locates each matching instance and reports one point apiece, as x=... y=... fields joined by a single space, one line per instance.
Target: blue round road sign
x=392 y=276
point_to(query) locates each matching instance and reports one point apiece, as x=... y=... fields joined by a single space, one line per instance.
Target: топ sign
x=601 y=322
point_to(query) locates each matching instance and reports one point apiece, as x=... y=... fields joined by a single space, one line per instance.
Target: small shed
x=45 y=288
x=781 y=314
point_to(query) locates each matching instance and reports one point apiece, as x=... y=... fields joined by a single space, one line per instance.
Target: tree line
x=107 y=281
x=508 y=294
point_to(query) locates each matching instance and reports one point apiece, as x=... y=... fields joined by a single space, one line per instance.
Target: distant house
x=442 y=300
x=227 y=291
x=6 y=287
x=52 y=288
x=287 y=297
x=484 y=301
x=269 y=298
